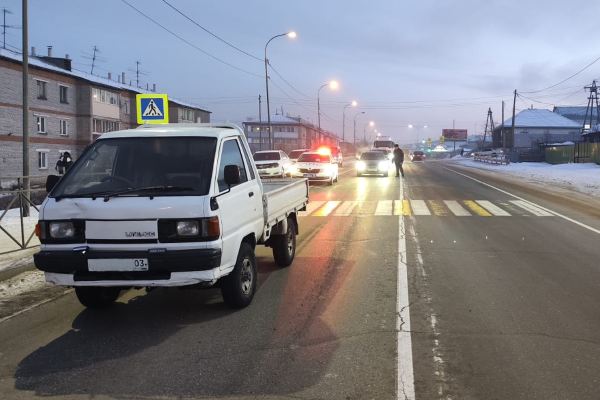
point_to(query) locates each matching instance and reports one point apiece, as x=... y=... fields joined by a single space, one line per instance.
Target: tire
x=239 y=286
x=284 y=246
x=330 y=182
x=337 y=178
x=97 y=297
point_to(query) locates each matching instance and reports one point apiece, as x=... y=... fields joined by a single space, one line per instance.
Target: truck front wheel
x=284 y=246
x=239 y=286
x=97 y=297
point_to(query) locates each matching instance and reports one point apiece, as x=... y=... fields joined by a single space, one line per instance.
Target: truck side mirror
x=232 y=175
x=51 y=181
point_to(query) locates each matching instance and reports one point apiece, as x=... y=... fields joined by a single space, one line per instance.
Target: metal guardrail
x=492 y=159
x=21 y=198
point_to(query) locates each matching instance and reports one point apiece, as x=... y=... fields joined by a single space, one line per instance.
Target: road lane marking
x=581 y=224
x=406 y=208
x=419 y=207
x=384 y=207
x=405 y=384
x=476 y=208
x=437 y=208
x=538 y=212
x=456 y=209
x=492 y=208
x=346 y=208
x=311 y=207
x=398 y=207
x=326 y=209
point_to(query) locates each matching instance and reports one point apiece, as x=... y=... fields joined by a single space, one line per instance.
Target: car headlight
x=329 y=169
x=62 y=230
x=188 y=228
x=383 y=166
x=361 y=166
x=390 y=156
x=292 y=170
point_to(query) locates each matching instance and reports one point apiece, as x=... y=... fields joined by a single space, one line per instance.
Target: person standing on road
x=398 y=160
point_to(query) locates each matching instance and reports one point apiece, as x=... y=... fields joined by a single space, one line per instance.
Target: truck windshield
x=114 y=165
x=267 y=156
x=383 y=143
x=314 y=157
x=373 y=155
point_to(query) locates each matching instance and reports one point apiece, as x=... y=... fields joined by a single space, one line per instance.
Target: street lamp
x=356 y=115
x=333 y=85
x=291 y=35
x=351 y=104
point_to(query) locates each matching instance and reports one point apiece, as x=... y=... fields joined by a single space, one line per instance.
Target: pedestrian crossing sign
x=152 y=108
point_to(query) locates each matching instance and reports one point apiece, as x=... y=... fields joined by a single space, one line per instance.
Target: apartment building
x=67 y=110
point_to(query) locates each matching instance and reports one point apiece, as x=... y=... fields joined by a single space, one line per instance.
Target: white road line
x=346 y=208
x=384 y=207
x=581 y=224
x=531 y=208
x=419 y=207
x=405 y=385
x=456 y=208
x=311 y=207
x=327 y=209
x=492 y=208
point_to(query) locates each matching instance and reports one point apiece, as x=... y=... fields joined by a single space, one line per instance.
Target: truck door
x=241 y=208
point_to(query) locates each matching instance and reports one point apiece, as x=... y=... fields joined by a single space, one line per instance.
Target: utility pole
x=259 y=122
x=95 y=50
x=4 y=26
x=511 y=142
x=25 y=33
x=137 y=74
x=489 y=122
x=502 y=128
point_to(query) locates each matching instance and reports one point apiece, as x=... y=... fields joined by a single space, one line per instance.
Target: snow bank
x=584 y=178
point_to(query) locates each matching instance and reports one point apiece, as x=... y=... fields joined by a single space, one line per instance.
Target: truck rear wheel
x=284 y=246
x=97 y=297
x=239 y=286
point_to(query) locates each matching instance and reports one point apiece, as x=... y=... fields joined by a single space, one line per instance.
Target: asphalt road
x=503 y=304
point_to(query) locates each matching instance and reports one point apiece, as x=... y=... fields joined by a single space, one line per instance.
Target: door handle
x=250 y=194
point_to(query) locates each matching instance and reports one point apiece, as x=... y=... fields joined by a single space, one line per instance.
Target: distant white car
x=272 y=163
x=316 y=166
x=295 y=154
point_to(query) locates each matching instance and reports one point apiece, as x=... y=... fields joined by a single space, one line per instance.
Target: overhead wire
x=566 y=79
x=206 y=53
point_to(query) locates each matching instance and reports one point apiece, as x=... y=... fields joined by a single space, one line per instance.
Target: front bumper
x=160 y=265
x=276 y=171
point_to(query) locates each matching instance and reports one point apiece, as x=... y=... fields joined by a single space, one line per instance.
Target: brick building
x=289 y=133
x=67 y=111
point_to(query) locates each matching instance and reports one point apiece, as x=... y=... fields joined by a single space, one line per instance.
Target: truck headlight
x=383 y=166
x=361 y=166
x=188 y=228
x=62 y=230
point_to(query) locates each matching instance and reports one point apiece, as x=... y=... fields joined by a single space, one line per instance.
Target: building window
x=41 y=90
x=104 y=125
x=41 y=124
x=64 y=92
x=43 y=159
x=187 y=114
x=64 y=127
x=105 y=96
x=126 y=107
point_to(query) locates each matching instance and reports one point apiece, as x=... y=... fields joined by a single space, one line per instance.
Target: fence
x=586 y=153
x=19 y=213
x=491 y=158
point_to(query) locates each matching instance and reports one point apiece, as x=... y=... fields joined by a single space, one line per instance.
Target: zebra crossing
x=424 y=208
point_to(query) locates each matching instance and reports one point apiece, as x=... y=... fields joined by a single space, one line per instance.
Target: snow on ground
x=584 y=178
x=12 y=223
x=26 y=282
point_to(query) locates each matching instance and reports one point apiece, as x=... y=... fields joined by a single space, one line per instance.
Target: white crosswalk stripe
x=456 y=208
x=492 y=208
x=346 y=208
x=531 y=208
x=419 y=207
x=384 y=207
x=311 y=207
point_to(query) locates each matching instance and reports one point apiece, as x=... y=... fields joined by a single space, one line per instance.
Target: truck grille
x=309 y=170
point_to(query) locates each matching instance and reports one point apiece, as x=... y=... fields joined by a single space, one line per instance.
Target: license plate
x=117 y=264
x=310 y=175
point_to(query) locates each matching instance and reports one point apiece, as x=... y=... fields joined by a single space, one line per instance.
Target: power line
x=188 y=42
x=211 y=33
x=566 y=79
x=286 y=82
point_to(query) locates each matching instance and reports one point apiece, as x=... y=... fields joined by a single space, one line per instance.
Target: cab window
x=231 y=155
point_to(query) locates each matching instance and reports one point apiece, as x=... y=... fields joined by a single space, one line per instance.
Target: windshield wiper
x=158 y=189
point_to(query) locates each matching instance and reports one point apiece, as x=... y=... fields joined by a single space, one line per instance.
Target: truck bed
x=282 y=197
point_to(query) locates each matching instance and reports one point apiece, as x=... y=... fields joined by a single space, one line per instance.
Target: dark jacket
x=398 y=155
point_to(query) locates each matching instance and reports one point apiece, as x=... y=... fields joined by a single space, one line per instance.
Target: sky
x=429 y=64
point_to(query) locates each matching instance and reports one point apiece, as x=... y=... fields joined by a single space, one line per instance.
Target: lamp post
x=355 y=116
x=291 y=35
x=333 y=85
x=351 y=104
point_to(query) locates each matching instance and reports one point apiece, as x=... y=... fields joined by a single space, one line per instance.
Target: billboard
x=454 y=134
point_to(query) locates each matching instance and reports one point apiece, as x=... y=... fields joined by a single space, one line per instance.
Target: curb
x=12 y=272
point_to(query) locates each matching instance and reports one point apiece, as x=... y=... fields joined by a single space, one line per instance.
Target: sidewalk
x=582 y=178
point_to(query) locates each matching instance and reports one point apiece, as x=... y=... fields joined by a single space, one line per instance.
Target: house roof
x=571 y=110
x=40 y=63
x=279 y=119
x=541 y=118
